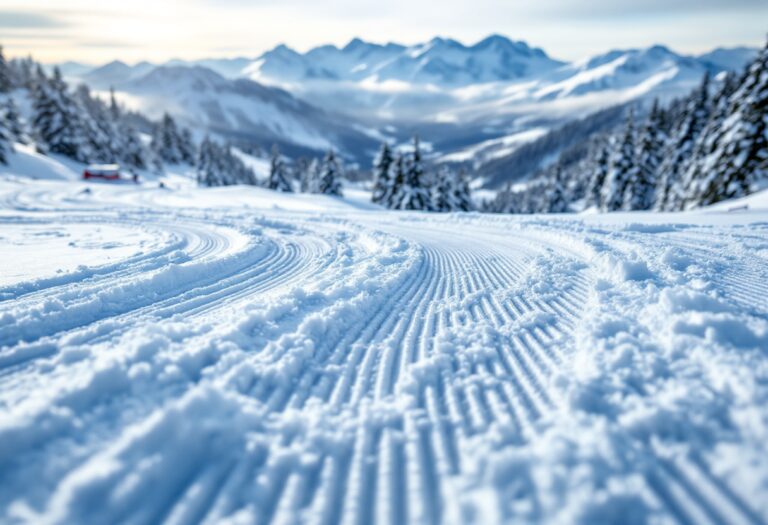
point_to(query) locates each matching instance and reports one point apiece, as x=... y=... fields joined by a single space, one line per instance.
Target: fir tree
x=330 y=172
x=679 y=149
x=98 y=135
x=381 y=174
x=207 y=173
x=412 y=194
x=5 y=141
x=443 y=190
x=15 y=128
x=277 y=175
x=218 y=166
x=736 y=150
x=56 y=119
x=6 y=84
x=556 y=201
x=462 y=195
x=311 y=179
x=639 y=193
x=598 y=173
x=171 y=144
x=622 y=169
x=397 y=181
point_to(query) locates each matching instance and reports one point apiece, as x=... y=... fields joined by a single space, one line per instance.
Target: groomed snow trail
x=215 y=359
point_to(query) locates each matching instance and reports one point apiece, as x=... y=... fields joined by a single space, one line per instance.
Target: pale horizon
x=199 y=29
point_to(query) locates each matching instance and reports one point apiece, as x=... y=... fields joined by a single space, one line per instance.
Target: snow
x=234 y=355
x=446 y=81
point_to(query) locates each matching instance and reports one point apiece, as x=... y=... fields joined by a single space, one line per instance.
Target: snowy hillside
x=240 y=109
x=235 y=355
x=475 y=101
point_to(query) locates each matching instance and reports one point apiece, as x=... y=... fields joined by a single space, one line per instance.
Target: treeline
x=707 y=147
x=78 y=125
x=322 y=176
x=401 y=182
x=531 y=156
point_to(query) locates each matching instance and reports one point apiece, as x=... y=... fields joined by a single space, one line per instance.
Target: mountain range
x=469 y=102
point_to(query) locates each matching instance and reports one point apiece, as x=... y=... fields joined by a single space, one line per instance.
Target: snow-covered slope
x=241 y=109
x=238 y=356
x=642 y=70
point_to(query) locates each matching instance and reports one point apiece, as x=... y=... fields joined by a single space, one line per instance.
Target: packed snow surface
x=238 y=356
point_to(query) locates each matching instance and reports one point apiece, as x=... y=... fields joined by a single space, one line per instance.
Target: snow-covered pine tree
x=22 y=73
x=328 y=182
x=311 y=177
x=300 y=173
x=207 y=174
x=442 y=193
x=555 y=200
x=171 y=144
x=621 y=170
x=598 y=169
x=277 y=174
x=462 y=194
x=218 y=166
x=737 y=152
x=397 y=174
x=6 y=84
x=639 y=193
x=13 y=122
x=678 y=151
x=56 y=120
x=381 y=174
x=5 y=140
x=131 y=151
x=413 y=194
x=98 y=134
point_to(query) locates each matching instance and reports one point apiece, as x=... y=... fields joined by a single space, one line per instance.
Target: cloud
x=29 y=20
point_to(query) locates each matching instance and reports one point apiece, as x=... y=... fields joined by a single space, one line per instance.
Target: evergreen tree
x=412 y=194
x=381 y=174
x=207 y=172
x=555 y=200
x=598 y=170
x=218 y=166
x=133 y=153
x=622 y=169
x=171 y=144
x=328 y=182
x=301 y=174
x=6 y=84
x=396 y=181
x=14 y=126
x=462 y=194
x=56 y=120
x=734 y=154
x=311 y=179
x=679 y=149
x=277 y=175
x=5 y=140
x=639 y=193
x=443 y=191
x=99 y=137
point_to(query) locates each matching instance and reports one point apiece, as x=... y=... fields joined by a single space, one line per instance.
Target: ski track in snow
x=259 y=366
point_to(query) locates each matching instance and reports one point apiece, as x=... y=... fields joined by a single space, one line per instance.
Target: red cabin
x=107 y=172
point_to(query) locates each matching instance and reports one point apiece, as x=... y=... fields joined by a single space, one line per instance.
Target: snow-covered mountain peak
x=173 y=77
x=441 y=61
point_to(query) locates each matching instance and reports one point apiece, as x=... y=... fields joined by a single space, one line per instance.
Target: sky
x=156 y=30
